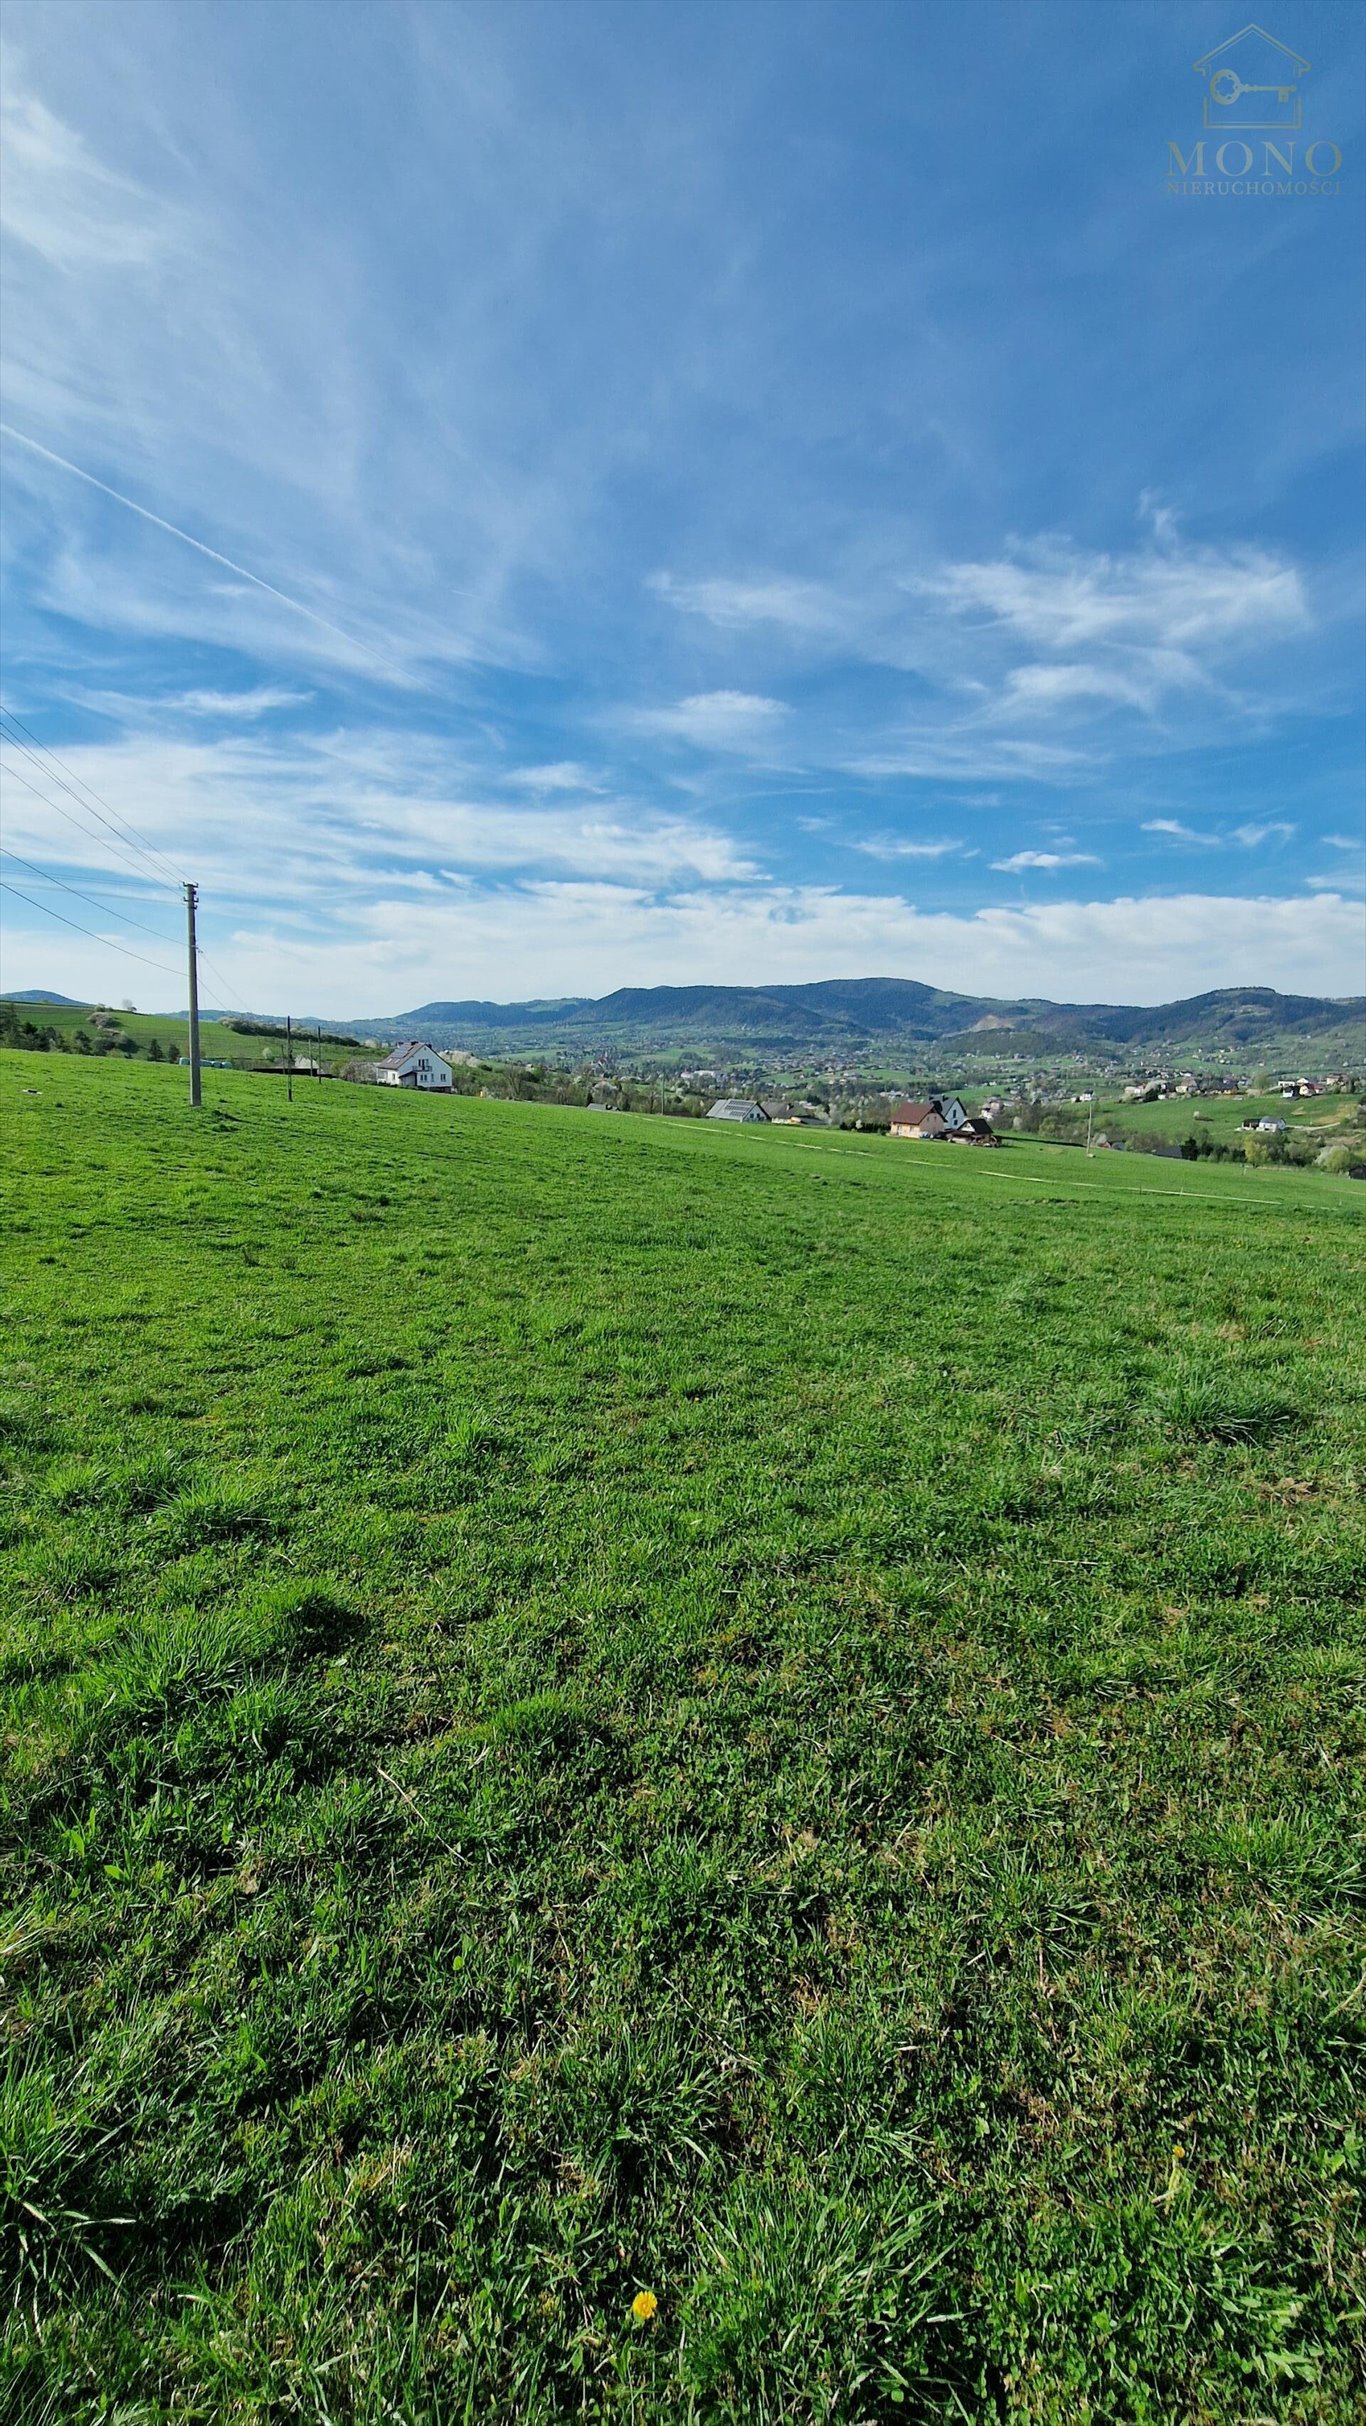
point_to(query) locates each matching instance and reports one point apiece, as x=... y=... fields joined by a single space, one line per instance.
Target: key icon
x=1227 y=86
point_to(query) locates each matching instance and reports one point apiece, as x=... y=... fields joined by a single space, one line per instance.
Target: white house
x=737 y=1107
x=415 y=1065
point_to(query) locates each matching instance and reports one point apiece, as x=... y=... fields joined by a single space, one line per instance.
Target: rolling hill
x=849 y=1015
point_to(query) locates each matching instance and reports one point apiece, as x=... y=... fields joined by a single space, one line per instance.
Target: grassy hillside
x=660 y=1772
x=1177 y=1116
x=170 y=1033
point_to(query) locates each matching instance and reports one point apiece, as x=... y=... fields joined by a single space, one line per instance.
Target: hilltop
x=848 y=1015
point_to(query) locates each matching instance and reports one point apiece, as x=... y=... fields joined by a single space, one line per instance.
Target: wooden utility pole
x=289 y=1058
x=191 y=898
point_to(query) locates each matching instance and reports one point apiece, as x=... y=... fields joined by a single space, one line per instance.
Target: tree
x=154 y=1052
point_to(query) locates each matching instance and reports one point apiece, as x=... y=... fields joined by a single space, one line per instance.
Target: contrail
x=213 y=554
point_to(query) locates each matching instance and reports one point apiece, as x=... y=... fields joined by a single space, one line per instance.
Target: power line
x=77 y=895
x=144 y=841
x=7 y=887
x=205 y=962
x=125 y=857
x=129 y=862
x=121 y=826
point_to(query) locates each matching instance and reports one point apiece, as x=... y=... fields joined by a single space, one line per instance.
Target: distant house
x=1272 y=1128
x=781 y=1114
x=917 y=1120
x=938 y=1116
x=737 y=1107
x=415 y=1065
x=973 y=1133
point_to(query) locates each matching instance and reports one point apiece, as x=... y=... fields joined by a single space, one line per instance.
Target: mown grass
x=611 y=1706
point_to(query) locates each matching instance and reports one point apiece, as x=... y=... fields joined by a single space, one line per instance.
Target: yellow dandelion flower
x=643 y=2307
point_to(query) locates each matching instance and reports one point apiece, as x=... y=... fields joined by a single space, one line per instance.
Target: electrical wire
x=77 y=895
x=126 y=832
x=125 y=856
x=220 y=979
x=205 y=962
x=7 y=887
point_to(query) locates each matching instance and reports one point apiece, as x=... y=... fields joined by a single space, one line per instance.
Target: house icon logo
x=1252 y=80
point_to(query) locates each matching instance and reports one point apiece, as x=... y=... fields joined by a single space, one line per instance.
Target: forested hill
x=852 y=1013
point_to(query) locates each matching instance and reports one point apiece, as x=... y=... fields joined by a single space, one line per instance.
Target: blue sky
x=744 y=492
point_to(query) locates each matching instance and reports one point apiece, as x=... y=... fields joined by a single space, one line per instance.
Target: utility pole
x=191 y=898
x=289 y=1058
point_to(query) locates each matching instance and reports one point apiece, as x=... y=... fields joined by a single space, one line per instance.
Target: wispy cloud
x=564 y=775
x=337 y=816
x=265 y=700
x=1166 y=600
x=1248 y=836
x=1179 y=832
x=1252 y=835
x=716 y=720
x=804 y=608
x=894 y=846
x=511 y=939
x=60 y=200
x=1020 y=860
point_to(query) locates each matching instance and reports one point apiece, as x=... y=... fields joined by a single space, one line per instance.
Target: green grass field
x=1223 y=1117
x=171 y=1032
x=617 y=1707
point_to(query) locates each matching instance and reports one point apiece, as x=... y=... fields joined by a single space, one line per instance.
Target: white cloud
x=1044 y=687
x=511 y=941
x=891 y=846
x=1045 y=859
x=716 y=720
x=1179 y=832
x=1250 y=836
x=565 y=775
x=335 y=816
x=262 y=701
x=1345 y=842
x=1057 y=596
x=803 y=608
x=60 y=201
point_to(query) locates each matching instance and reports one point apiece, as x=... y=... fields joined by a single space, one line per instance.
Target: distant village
x=1108 y=1110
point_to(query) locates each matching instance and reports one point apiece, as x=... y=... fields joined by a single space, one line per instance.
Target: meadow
x=664 y=1772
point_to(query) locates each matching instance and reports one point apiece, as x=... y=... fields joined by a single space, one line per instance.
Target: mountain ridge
x=855 y=1012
